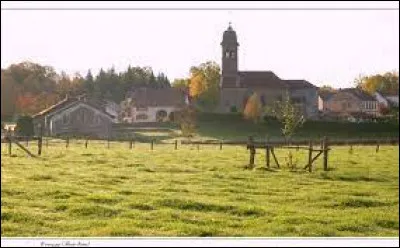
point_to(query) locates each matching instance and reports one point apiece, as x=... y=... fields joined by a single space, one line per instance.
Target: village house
x=74 y=116
x=388 y=101
x=350 y=104
x=237 y=86
x=152 y=105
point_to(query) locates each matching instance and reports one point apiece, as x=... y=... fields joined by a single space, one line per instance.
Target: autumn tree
x=326 y=88
x=204 y=84
x=9 y=93
x=29 y=87
x=197 y=86
x=387 y=83
x=252 y=110
x=181 y=83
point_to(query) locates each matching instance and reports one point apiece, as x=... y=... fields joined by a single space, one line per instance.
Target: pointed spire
x=230 y=26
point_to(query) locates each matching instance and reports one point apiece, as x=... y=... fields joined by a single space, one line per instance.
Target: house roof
x=158 y=97
x=386 y=95
x=325 y=95
x=70 y=102
x=359 y=94
x=59 y=105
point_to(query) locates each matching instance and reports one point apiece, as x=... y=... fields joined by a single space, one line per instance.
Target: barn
x=74 y=116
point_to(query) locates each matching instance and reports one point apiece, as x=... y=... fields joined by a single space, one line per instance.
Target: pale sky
x=322 y=46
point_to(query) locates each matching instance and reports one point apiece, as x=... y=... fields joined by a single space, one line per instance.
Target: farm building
x=152 y=105
x=74 y=116
x=350 y=104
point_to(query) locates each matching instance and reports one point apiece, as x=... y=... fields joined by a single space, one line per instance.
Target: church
x=237 y=86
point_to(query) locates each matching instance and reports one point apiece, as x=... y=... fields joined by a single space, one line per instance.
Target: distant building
x=152 y=105
x=386 y=100
x=237 y=86
x=74 y=116
x=351 y=104
x=9 y=129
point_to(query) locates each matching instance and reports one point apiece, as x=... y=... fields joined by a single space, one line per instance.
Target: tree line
x=27 y=88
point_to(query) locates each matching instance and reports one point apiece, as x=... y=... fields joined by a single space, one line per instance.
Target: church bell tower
x=230 y=46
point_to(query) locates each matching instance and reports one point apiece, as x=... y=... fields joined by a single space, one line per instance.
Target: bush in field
x=186 y=118
x=24 y=126
x=290 y=117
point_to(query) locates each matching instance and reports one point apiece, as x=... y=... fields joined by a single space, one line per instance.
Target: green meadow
x=191 y=192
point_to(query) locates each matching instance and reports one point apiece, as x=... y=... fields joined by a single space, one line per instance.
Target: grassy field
x=189 y=192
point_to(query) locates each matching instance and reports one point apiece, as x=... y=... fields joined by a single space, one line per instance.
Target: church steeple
x=229 y=58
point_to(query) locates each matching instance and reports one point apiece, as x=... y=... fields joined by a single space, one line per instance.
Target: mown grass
x=189 y=192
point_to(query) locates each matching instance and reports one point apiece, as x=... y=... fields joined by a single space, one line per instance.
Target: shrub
x=234 y=109
x=24 y=126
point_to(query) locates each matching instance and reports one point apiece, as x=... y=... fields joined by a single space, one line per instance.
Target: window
x=65 y=119
x=97 y=119
x=161 y=115
x=142 y=117
x=90 y=117
x=229 y=54
x=84 y=117
x=141 y=108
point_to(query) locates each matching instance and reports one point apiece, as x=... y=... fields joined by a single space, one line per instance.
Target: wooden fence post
x=67 y=142
x=176 y=144
x=268 y=153
x=40 y=140
x=9 y=145
x=131 y=144
x=86 y=143
x=27 y=141
x=326 y=147
x=377 y=146
x=152 y=144
x=220 y=145
x=250 y=146
x=108 y=143
x=310 y=150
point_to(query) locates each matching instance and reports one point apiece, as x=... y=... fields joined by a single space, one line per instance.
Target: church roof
x=260 y=79
x=271 y=80
x=229 y=37
x=299 y=84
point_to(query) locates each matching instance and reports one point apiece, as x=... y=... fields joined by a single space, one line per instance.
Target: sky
x=322 y=46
